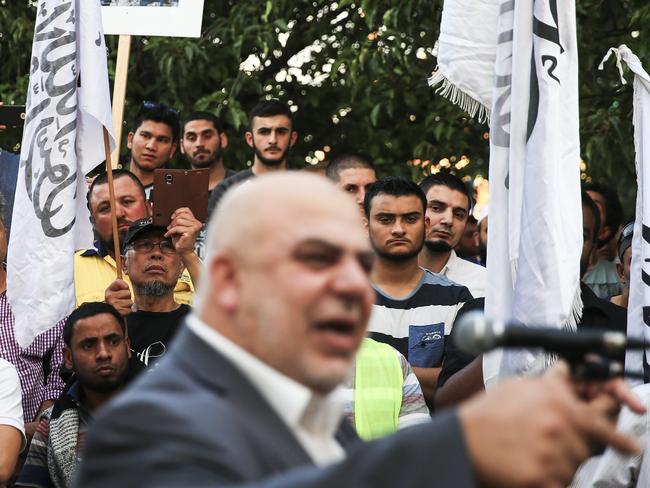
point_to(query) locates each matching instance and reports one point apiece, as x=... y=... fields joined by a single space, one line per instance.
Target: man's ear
x=223 y=139
x=129 y=140
x=427 y=225
x=173 y=151
x=225 y=281
x=180 y=145
x=123 y=259
x=67 y=358
x=294 y=138
x=249 y=138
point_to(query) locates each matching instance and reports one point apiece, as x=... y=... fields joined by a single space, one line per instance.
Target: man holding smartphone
x=95 y=269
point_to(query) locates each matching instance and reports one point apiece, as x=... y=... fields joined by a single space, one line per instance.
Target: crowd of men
x=312 y=311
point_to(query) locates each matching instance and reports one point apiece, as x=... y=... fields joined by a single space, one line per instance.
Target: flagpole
x=119 y=90
x=111 y=194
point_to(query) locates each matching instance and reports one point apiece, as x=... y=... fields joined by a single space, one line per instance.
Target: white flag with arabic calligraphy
x=68 y=104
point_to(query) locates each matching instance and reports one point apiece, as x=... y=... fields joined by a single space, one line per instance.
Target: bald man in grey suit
x=248 y=394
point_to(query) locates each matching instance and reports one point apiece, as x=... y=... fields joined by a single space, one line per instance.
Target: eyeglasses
x=166 y=246
x=149 y=105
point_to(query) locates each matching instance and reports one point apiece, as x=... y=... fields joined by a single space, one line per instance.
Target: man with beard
x=202 y=144
x=97 y=352
x=448 y=204
x=95 y=269
x=414 y=308
x=271 y=135
x=153 y=263
x=153 y=141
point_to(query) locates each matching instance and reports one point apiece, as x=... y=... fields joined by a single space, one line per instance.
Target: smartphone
x=176 y=188
x=12 y=115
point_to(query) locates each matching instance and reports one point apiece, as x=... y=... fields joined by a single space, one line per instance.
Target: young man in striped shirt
x=414 y=309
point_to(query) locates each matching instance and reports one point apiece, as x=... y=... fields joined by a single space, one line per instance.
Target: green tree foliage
x=356 y=72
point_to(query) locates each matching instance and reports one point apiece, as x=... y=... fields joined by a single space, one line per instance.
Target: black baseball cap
x=137 y=228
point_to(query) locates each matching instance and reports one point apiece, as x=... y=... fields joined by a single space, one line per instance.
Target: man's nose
x=398 y=228
x=352 y=279
x=119 y=210
x=103 y=352
x=447 y=216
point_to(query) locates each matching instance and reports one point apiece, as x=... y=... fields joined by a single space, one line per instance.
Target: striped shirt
x=58 y=443
x=418 y=324
x=37 y=365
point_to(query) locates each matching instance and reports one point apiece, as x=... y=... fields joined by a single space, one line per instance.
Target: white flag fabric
x=466 y=55
x=535 y=240
x=638 y=311
x=68 y=103
x=535 y=228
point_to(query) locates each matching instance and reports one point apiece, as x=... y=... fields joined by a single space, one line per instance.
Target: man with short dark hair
x=202 y=143
x=602 y=276
x=154 y=264
x=414 y=308
x=152 y=141
x=97 y=352
x=448 y=206
x=469 y=246
x=95 y=269
x=353 y=174
x=271 y=135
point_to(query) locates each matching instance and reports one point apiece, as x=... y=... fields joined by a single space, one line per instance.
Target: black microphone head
x=474 y=334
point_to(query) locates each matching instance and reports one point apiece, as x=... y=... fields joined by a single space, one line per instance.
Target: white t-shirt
x=11 y=407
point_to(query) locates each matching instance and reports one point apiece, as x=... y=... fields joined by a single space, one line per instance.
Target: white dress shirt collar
x=313 y=418
x=449 y=264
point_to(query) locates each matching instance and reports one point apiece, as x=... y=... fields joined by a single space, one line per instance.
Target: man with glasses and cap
x=153 y=141
x=154 y=263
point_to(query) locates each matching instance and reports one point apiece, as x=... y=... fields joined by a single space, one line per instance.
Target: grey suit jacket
x=196 y=421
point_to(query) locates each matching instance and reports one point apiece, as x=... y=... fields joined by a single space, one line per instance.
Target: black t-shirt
x=151 y=332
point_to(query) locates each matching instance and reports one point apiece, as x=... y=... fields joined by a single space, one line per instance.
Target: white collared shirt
x=471 y=275
x=312 y=418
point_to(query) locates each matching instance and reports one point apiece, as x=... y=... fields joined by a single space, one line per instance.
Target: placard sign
x=170 y=18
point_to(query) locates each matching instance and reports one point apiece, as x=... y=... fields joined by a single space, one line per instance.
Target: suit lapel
x=209 y=367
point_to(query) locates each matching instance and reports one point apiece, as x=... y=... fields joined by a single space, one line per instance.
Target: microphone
x=475 y=334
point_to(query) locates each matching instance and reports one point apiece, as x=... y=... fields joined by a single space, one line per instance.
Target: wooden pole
x=111 y=196
x=119 y=92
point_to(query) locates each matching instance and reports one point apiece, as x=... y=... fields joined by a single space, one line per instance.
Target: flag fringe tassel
x=459 y=98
